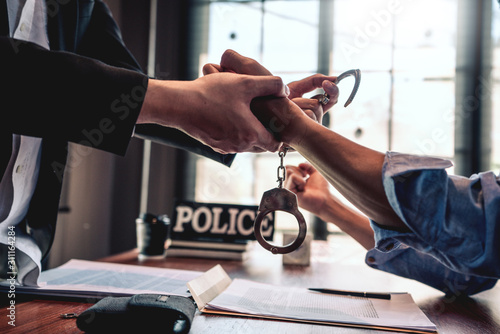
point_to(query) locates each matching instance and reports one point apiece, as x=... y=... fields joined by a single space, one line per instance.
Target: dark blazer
x=86 y=89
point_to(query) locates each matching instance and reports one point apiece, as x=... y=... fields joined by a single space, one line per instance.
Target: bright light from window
x=406 y=51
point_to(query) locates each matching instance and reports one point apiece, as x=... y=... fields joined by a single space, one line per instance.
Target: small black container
x=152 y=232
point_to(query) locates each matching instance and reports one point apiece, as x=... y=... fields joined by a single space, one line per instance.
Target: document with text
x=247 y=298
x=91 y=279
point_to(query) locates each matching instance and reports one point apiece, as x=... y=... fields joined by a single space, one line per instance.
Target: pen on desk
x=377 y=295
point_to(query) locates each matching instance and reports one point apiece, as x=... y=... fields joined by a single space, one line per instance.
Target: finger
x=309 y=113
x=211 y=68
x=268 y=85
x=295 y=178
x=295 y=183
x=330 y=88
x=295 y=170
x=298 y=182
x=256 y=142
x=290 y=170
x=218 y=150
x=232 y=60
x=257 y=149
x=307 y=168
x=300 y=87
x=272 y=146
x=264 y=140
x=333 y=92
x=311 y=107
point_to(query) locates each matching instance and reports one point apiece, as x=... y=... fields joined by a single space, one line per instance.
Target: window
x=406 y=100
x=406 y=50
x=276 y=34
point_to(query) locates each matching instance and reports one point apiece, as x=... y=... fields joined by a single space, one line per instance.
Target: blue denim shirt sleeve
x=454 y=221
x=397 y=258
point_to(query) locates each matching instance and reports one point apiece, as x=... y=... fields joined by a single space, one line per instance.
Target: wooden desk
x=338 y=263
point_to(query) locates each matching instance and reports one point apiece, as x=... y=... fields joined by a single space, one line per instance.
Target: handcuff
x=325 y=98
x=281 y=199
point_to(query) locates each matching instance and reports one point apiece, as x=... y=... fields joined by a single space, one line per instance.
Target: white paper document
x=247 y=298
x=79 y=278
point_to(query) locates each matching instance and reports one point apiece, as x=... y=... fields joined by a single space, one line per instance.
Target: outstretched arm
x=233 y=62
x=355 y=170
x=314 y=195
x=213 y=109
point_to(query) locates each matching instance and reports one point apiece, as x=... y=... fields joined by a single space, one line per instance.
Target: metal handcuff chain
x=281 y=199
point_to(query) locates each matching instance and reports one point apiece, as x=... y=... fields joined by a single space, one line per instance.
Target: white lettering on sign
x=241 y=217
x=232 y=221
x=196 y=219
x=184 y=215
x=216 y=229
x=204 y=219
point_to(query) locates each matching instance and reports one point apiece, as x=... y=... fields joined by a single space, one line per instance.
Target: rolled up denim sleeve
x=454 y=225
x=400 y=259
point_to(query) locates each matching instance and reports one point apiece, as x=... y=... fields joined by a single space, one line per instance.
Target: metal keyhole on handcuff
x=281 y=199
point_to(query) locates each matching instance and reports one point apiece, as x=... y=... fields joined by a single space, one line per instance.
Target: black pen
x=377 y=295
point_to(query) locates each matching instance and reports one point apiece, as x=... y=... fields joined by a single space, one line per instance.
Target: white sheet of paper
x=90 y=278
x=209 y=285
x=257 y=299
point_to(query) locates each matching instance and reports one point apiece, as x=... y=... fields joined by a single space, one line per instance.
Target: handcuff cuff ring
x=325 y=98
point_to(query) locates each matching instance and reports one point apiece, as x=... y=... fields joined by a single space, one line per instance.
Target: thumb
x=269 y=86
x=233 y=61
x=211 y=68
x=307 y=168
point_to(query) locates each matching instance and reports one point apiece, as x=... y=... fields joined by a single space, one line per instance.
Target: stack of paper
x=214 y=292
x=214 y=249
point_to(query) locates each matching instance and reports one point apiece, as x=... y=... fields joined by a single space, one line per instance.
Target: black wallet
x=138 y=314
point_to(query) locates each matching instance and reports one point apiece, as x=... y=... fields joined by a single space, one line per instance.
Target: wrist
x=283 y=118
x=336 y=212
x=328 y=211
x=163 y=103
x=149 y=106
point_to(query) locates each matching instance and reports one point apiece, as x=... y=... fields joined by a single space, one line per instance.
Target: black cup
x=152 y=232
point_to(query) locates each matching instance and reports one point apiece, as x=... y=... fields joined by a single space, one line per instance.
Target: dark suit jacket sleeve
x=91 y=95
x=94 y=41
x=63 y=96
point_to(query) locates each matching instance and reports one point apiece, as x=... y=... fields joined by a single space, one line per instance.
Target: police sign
x=226 y=222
